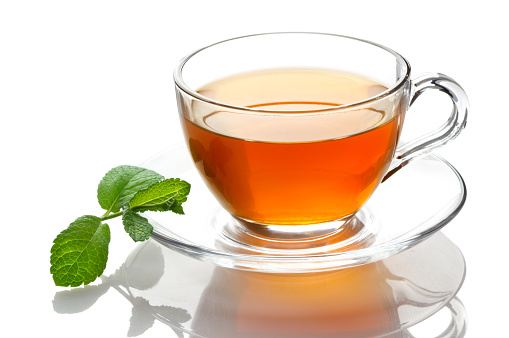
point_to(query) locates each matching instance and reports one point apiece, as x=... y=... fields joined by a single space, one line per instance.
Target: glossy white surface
x=382 y=298
x=87 y=86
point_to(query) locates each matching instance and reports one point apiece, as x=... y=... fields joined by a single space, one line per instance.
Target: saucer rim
x=251 y=262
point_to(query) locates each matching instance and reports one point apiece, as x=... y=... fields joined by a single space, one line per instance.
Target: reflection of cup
x=377 y=299
x=371 y=300
x=308 y=130
x=354 y=302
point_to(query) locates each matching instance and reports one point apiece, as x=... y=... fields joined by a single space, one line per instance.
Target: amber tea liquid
x=298 y=166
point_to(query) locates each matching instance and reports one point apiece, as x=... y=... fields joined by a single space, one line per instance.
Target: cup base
x=291 y=232
x=237 y=235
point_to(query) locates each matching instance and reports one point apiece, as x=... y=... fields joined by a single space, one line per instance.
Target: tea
x=301 y=164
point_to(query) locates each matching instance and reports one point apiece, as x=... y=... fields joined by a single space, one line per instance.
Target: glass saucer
x=397 y=297
x=410 y=206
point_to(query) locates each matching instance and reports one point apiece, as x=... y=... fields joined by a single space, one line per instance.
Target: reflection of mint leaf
x=80 y=252
x=136 y=226
x=78 y=300
x=143 y=317
x=162 y=196
x=120 y=184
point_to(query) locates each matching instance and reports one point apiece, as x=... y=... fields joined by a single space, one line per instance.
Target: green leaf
x=162 y=196
x=136 y=226
x=177 y=208
x=80 y=252
x=121 y=183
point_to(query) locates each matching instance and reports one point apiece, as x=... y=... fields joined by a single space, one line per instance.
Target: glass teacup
x=293 y=132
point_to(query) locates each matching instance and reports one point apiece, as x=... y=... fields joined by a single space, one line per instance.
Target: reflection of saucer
x=384 y=298
x=406 y=209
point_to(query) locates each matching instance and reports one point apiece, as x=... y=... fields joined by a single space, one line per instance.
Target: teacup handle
x=447 y=132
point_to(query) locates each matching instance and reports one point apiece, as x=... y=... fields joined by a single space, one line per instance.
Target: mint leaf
x=136 y=226
x=120 y=184
x=80 y=252
x=162 y=196
x=177 y=208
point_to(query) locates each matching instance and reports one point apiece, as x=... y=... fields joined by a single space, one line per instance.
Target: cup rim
x=182 y=85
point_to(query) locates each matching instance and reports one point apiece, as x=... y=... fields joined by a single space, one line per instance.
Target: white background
x=87 y=85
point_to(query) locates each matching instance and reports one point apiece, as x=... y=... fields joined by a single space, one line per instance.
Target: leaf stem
x=107 y=215
x=110 y=216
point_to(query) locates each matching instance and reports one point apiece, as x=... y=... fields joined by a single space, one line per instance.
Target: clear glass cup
x=298 y=151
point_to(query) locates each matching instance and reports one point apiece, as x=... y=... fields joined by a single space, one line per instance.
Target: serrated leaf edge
x=56 y=245
x=172 y=195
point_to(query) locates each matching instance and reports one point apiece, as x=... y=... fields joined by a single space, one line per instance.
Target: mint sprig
x=163 y=196
x=121 y=183
x=80 y=252
x=136 y=226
